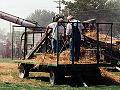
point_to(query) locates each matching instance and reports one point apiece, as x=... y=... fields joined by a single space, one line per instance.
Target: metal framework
x=96 y=43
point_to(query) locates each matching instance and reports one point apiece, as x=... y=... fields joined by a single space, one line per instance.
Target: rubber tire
x=53 y=78
x=56 y=77
x=23 y=71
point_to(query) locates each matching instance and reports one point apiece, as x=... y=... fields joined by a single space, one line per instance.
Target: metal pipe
x=16 y=20
x=111 y=38
x=98 y=44
x=12 y=41
x=25 y=43
x=57 y=45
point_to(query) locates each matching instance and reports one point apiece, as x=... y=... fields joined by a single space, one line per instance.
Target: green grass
x=8 y=60
x=9 y=86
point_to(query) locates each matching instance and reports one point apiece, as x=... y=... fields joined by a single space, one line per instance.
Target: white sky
x=23 y=8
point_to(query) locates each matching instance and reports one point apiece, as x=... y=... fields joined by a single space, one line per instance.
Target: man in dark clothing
x=73 y=30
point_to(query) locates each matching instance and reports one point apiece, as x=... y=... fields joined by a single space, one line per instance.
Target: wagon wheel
x=56 y=77
x=52 y=77
x=23 y=72
x=118 y=64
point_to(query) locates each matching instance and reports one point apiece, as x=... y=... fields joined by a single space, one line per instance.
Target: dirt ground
x=9 y=74
x=6 y=70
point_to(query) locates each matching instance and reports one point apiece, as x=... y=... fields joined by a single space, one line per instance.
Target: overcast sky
x=23 y=8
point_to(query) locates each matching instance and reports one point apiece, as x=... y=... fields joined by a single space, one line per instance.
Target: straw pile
x=102 y=37
x=109 y=75
x=45 y=58
x=64 y=58
x=86 y=56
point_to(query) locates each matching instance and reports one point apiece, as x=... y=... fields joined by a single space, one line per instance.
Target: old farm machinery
x=100 y=54
x=37 y=53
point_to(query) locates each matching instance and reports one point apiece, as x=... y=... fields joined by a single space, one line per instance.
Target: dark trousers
x=54 y=45
x=74 y=49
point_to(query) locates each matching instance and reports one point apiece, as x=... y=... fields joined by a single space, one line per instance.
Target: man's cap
x=60 y=20
x=57 y=17
x=69 y=17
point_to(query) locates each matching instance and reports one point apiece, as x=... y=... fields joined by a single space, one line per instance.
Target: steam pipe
x=16 y=20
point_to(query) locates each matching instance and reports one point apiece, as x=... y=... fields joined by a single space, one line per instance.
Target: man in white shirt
x=56 y=25
x=73 y=31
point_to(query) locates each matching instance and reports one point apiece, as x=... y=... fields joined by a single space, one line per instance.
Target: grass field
x=39 y=81
x=60 y=87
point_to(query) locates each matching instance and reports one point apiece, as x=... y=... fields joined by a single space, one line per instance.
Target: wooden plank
x=33 y=62
x=24 y=61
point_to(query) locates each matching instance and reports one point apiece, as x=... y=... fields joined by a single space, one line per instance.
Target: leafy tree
x=42 y=17
x=102 y=10
x=85 y=5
